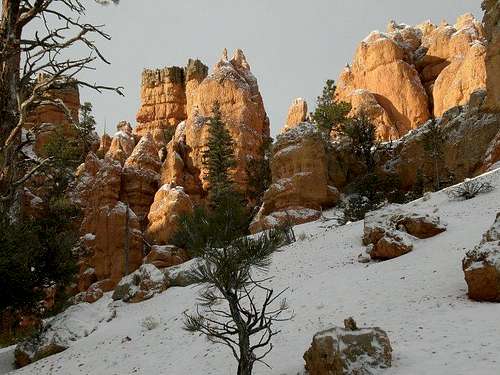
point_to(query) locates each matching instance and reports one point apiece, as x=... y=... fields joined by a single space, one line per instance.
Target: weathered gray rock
x=181 y=275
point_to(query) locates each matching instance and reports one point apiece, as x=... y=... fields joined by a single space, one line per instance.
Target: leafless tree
x=229 y=312
x=37 y=57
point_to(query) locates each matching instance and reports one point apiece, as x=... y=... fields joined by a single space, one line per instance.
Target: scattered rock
x=349 y=350
x=481 y=266
x=390 y=233
x=140 y=285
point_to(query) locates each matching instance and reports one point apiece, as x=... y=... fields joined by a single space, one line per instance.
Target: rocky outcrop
x=301 y=184
x=182 y=274
x=110 y=229
x=382 y=67
x=140 y=176
x=491 y=22
x=349 y=350
x=166 y=256
x=170 y=202
x=233 y=85
x=467 y=135
x=492 y=156
x=410 y=74
x=390 y=233
x=163 y=102
x=140 y=285
x=122 y=144
x=49 y=118
x=297 y=113
x=481 y=266
x=104 y=145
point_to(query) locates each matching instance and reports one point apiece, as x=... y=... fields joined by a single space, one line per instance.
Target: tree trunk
x=9 y=67
x=246 y=360
x=10 y=35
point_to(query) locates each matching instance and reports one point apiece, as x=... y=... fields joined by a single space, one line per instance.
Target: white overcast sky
x=292 y=46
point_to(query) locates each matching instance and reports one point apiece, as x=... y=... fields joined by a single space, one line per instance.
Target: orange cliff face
x=409 y=74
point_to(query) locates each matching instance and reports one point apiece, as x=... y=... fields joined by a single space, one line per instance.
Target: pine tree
x=362 y=136
x=86 y=127
x=329 y=113
x=218 y=158
x=229 y=311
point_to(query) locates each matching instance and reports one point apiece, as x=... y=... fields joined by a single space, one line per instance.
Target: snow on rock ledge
x=62 y=331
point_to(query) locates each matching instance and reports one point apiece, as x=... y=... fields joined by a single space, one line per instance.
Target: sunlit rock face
x=297 y=113
x=301 y=179
x=491 y=22
x=409 y=74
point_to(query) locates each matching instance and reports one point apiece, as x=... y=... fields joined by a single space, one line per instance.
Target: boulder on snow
x=481 y=266
x=141 y=285
x=393 y=244
x=166 y=256
x=349 y=350
x=181 y=275
x=391 y=231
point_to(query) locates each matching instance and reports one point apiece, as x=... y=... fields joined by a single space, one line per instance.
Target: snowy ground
x=419 y=299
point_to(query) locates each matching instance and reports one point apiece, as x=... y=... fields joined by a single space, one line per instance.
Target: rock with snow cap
x=122 y=144
x=140 y=285
x=348 y=351
x=170 y=202
x=481 y=266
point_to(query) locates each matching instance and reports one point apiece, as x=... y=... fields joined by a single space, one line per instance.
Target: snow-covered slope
x=419 y=299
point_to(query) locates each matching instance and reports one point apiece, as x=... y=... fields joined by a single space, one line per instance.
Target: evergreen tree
x=229 y=312
x=329 y=113
x=86 y=127
x=362 y=136
x=433 y=141
x=259 y=172
x=218 y=157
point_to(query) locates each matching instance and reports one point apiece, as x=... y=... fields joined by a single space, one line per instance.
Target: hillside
x=420 y=299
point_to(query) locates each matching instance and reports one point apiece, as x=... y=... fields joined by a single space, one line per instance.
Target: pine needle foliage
x=228 y=312
x=218 y=157
x=329 y=113
x=362 y=136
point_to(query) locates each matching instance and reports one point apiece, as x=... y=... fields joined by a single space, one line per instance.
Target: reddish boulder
x=481 y=266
